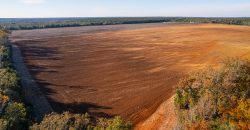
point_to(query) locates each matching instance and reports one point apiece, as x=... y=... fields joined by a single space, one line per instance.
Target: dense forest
x=215 y=99
x=39 y=23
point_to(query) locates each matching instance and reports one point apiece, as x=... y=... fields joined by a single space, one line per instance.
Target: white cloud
x=33 y=1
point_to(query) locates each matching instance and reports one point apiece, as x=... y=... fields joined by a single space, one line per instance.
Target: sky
x=123 y=8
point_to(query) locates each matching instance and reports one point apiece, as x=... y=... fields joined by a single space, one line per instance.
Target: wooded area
x=39 y=23
x=215 y=98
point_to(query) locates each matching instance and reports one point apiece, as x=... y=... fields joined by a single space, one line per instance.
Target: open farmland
x=126 y=70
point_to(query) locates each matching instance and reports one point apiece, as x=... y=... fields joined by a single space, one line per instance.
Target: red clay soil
x=127 y=72
x=164 y=118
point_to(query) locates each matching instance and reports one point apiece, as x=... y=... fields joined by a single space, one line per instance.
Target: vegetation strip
x=39 y=23
x=13 y=112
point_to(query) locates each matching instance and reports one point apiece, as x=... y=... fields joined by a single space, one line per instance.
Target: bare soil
x=164 y=118
x=128 y=70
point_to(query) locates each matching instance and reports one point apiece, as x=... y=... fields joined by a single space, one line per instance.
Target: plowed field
x=126 y=70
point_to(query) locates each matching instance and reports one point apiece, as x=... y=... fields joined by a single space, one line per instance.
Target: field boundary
x=164 y=118
x=30 y=89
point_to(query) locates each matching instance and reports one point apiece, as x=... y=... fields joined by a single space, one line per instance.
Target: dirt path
x=31 y=91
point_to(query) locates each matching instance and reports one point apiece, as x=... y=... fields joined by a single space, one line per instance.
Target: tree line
x=40 y=23
x=13 y=111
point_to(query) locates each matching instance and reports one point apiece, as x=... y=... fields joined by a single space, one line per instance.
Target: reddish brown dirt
x=164 y=118
x=125 y=72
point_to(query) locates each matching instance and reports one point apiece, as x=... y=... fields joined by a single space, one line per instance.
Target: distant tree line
x=235 y=21
x=39 y=23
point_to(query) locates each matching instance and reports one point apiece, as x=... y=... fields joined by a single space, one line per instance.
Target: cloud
x=33 y=1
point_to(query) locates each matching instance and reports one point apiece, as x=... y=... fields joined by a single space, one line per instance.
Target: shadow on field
x=83 y=107
x=36 y=69
x=75 y=107
x=46 y=87
x=35 y=50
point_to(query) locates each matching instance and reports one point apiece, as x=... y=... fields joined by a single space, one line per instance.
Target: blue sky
x=106 y=8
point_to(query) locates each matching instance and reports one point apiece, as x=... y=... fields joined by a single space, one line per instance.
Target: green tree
x=112 y=124
x=15 y=116
x=207 y=97
x=65 y=121
x=8 y=79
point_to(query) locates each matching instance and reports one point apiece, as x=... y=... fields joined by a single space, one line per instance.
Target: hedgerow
x=13 y=112
x=69 y=121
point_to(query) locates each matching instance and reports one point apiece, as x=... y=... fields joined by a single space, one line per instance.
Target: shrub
x=68 y=121
x=65 y=121
x=14 y=116
x=3 y=124
x=5 y=56
x=8 y=79
x=112 y=124
x=3 y=98
x=240 y=115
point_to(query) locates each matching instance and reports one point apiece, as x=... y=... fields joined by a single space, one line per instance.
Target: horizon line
x=127 y=17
